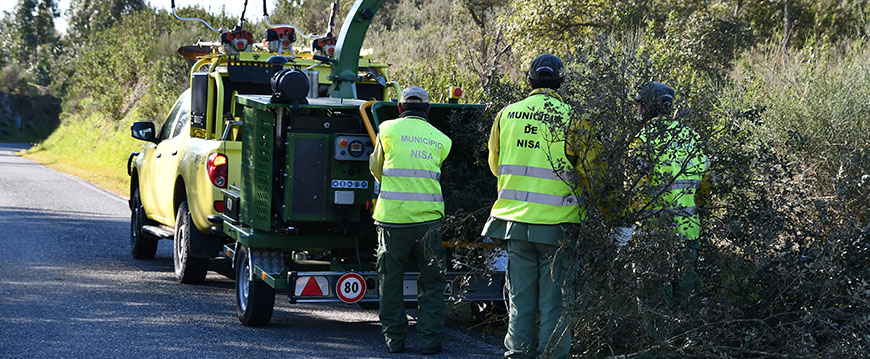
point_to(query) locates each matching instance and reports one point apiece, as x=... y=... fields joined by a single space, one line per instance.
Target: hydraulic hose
x=368 y=123
x=192 y=18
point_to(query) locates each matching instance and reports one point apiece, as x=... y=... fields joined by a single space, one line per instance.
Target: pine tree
x=46 y=12
x=21 y=32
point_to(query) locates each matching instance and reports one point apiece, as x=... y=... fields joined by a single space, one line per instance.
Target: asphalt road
x=69 y=289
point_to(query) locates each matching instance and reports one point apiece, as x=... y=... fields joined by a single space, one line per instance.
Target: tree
x=22 y=33
x=88 y=16
x=311 y=17
x=485 y=55
x=46 y=12
x=30 y=35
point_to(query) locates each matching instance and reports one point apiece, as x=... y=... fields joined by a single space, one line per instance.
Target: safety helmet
x=656 y=98
x=654 y=94
x=546 y=67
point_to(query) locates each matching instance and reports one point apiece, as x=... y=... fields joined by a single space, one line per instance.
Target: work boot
x=395 y=345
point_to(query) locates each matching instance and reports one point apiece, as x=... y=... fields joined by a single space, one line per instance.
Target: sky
x=233 y=7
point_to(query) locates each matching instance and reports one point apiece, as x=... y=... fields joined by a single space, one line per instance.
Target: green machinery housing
x=299 y=217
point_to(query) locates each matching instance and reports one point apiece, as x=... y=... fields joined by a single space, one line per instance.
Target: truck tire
x=188 y=269
x=255 y=299
x=142 y=246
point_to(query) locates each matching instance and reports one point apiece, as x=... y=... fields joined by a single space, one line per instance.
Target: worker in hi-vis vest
x=536 y=208
x=678 y=167
x=407 y=164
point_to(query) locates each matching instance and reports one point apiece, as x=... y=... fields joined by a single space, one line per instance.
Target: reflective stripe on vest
x=404 y=172
x=680 y=184
x=537 y=172
x=534 y=197
x=407 y=196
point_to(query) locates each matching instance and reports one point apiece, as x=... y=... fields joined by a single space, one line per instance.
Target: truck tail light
x=217 y=169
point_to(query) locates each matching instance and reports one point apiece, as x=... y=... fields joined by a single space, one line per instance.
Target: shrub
x=784 y=253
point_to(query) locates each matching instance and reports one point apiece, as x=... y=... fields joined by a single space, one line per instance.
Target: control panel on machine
x=353 y=148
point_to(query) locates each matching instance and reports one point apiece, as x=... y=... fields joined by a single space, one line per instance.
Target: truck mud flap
x=205 y=247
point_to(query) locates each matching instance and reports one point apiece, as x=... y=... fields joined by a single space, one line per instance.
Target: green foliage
x=831 y=20
x=91 y=16
x=12 y=78
x=91 y=148
x=22 y=36
x=815 y=107
x=555 y=26
x=784 y=258
x=31 y=39
x=310 y=17
x=133 y=61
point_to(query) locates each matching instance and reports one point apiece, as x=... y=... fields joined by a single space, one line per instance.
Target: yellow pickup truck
x=175 y=190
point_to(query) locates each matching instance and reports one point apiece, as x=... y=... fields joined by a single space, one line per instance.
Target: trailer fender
x=268 y=260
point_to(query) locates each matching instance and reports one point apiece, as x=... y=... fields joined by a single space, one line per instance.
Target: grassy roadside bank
x=90 y=148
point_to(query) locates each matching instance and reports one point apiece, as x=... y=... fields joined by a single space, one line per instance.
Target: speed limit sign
x=350 y=288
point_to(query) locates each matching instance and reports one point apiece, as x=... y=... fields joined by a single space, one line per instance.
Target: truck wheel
x=255 y=299
x=142 y=246
x=188 y=269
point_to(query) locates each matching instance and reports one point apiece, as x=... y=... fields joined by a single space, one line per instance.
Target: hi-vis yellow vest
x=410 y=188
x=529 y=189
x=679 y=165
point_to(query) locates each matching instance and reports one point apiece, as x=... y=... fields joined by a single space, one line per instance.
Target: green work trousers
x=683 y=291
x=535 y=299
x=422 y=244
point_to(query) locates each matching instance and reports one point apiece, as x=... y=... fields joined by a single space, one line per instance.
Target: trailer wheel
x=188 y=269
x=255 y=299
x=142 y=246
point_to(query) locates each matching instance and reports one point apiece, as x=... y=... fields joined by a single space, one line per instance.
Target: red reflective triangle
x=311 y=288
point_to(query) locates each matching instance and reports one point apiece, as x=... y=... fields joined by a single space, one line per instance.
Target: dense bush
x=784 y=252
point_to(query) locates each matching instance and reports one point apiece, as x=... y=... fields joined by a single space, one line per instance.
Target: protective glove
x=622 y=235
